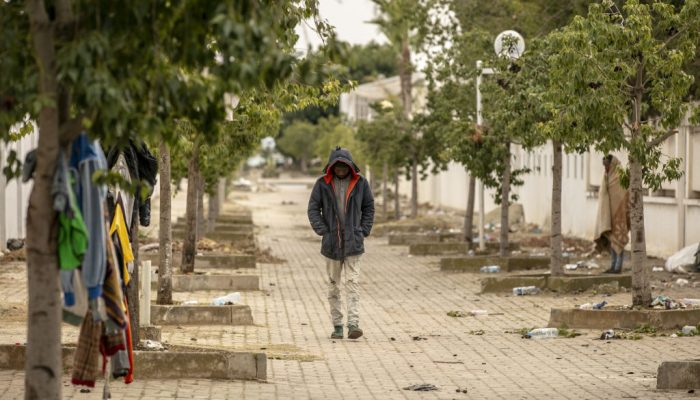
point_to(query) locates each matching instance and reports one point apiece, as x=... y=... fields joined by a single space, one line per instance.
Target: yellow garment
x=119 y=226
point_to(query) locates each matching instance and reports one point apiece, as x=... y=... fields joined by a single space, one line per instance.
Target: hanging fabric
x=86 y=359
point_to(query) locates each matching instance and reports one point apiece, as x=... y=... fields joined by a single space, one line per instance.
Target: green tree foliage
x=385 y=136
x=298 y=142
x=333 y=132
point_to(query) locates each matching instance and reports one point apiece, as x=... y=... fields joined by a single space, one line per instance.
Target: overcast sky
x=350 y=18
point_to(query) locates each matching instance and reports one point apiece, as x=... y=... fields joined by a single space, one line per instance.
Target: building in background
x=671 y=214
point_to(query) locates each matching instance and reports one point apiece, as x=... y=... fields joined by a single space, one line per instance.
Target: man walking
x=341 y=210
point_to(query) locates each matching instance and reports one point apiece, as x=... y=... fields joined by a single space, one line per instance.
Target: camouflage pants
x=351 y=265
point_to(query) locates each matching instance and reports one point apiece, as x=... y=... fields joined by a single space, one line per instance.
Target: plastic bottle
x=476 y=313
x=231 y=298
x=490 y=269
x=543 y=333
x=690 y=330
x=525 y=290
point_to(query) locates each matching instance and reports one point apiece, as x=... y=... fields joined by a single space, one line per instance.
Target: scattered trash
x=229 y=299
x=478 y=332
x=542 y=333
x=476 y=313
x=664 y=302
x=423 y=387
x=15 y=244
x=684 y=258
x=153 y=345
x=471 y=253
x=593 y=306
x=461 y=390
x=84 y=390
x=691 y=302
x=525 y=290
x=581 y=265
x=657 y=269
x=690 y=330
x=609 y=334
x=674 y=335
x=682 y=282
x=418 y=338
x=456 y=314
x=190 y=302
x=490 y=269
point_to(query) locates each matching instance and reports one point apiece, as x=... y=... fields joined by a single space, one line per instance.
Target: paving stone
x=679 y=375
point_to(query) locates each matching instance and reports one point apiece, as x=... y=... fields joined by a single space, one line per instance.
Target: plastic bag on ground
x=229 y=299
x=682 y=260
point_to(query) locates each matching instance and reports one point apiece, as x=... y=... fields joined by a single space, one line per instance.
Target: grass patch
x=564 y=332
x=645 y=328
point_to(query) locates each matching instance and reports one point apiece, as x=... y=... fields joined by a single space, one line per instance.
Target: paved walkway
x=408 y=340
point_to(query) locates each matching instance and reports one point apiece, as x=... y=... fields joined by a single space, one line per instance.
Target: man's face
x=606 y=164
x=341 y=170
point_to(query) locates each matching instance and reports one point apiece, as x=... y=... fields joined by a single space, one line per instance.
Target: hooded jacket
x=341 y=241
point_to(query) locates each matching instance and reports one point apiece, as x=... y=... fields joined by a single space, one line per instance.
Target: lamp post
x=507 y=44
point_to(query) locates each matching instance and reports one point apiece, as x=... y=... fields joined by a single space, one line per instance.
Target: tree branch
x=661 y=138
x=70 y=129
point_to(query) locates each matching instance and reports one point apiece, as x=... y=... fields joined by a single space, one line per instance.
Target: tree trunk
x=201 y=222
x=220 y=196
x=641 y=289
x=556 y=239
x=43 y=366
x=213 y=212
x=165 y=234
x=469 y=212
x=132 y=291
x=414 y=187
x=397 y=205
x=189 y=245
x=385 y=192
x=304 y=165
x=505 y=203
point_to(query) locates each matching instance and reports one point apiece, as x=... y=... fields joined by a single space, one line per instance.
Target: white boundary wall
x=672 y=217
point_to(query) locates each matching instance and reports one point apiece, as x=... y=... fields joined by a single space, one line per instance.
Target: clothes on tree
x=72 y=232
x=96 y=255
x=120 y=232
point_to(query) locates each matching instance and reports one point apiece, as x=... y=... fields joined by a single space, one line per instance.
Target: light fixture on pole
x=508 y=44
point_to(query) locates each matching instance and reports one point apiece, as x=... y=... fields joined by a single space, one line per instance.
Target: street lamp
x=508 y=44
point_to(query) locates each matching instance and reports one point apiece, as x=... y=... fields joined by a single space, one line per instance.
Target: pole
x=482 y=212
x=146 y=292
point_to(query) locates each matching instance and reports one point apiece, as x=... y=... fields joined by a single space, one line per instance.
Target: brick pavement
x=401 y=297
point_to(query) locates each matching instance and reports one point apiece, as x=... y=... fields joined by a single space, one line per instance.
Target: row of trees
x=617 y=79
x=149 y=71
x=609 y=76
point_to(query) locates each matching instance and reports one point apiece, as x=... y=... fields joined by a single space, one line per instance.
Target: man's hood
x=340 y=155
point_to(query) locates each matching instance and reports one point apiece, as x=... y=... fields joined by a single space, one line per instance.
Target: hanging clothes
x=112 y=290
x=72 y=242
x=86 y=359
x=87 y=158
x=72 y=232
x=119 y=227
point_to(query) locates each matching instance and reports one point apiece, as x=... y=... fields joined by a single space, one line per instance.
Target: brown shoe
x=354 y=332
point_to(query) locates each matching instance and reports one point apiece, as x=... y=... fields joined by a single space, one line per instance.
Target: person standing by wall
x=613 y=221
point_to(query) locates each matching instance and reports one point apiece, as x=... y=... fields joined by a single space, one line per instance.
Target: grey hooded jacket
x=341 y=241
